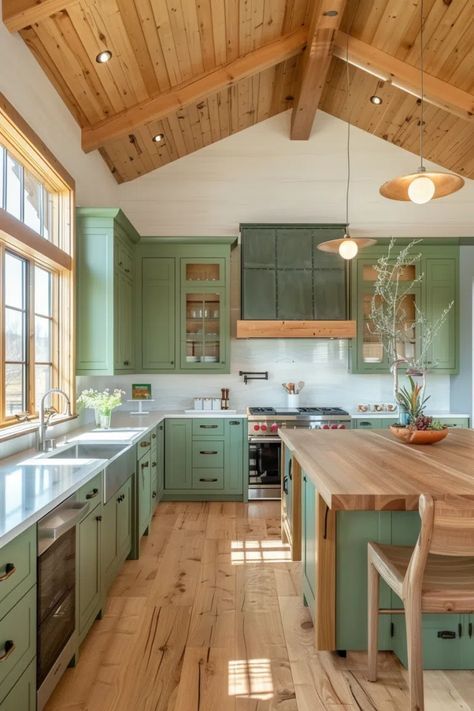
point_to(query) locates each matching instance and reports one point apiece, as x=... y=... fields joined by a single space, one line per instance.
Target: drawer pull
x=234 y=422
x=126 y=362
x=208 y=427
x=145 y=465
x=9 y=570
x=208 y=451
x=365 y=424
x=153 y=435
x=153 y=464
x=98 y=519
x=8 y=648
x=153 y=494
x=285 y=485
x=92 y=494
x=208 y=480
x=144 y=444
x=447 y=634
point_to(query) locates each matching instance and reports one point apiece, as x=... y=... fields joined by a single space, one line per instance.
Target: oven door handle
x=262 y=440
x=60 y=524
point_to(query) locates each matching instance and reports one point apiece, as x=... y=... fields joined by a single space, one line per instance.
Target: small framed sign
x=141 y=391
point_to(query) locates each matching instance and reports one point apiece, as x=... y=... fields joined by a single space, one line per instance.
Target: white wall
x=259 y=175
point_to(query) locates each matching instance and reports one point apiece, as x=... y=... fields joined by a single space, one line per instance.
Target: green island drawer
x=17 y=640
x=17 y=569
x=461 y=422
x=208 y=427
x=208 y=478
x=208 y=454
x=22 y=697
x=92 y=491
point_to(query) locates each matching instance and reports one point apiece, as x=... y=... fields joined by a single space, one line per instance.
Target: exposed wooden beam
x=18 y=14
x=404 y=76
x=193 y=91
x=325 y=20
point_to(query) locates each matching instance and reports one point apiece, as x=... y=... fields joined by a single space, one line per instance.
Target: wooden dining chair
x=437 y=575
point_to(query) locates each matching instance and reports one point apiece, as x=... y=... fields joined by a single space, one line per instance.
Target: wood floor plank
x=211 y=619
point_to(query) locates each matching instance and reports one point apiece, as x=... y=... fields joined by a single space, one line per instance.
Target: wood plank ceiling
x=195 y=71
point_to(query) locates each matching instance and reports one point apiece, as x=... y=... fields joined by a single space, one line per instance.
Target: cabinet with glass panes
x=204 y=325
x=367 y=353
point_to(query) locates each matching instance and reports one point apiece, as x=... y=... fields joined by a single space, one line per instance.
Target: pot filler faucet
x=46 y=415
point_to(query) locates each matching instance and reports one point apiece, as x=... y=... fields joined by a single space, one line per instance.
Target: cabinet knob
x=92 y=494
x=145 y=465
x=126 y=362
x=126 y=271
x=171 y=362
x=153 y=494
x=153 y=435
x=153 y=464
x=98 y=519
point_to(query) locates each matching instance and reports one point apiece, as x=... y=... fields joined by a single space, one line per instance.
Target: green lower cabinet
x=89 y=583
x=17 y=641
x=373 y=423
x=17 y=568
x=205 y=458
x=22 y=696
x=144 y=492
x=308 y=542
x=116 y=533
x=160 y=459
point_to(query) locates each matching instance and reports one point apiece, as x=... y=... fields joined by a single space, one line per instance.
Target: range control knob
x=341 y=427
x=325 y=427
x=256 y=428
x=264 y=428
x=334 y=427
x=274 y=427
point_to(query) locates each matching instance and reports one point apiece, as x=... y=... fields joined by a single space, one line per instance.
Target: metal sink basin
x=119 y=467
x=88 y=451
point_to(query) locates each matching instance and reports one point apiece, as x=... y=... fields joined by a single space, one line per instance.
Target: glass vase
x=105 y=420
x=97 y=417
x=403 y=416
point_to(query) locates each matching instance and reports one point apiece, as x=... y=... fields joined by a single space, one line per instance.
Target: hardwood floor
x=210 y=619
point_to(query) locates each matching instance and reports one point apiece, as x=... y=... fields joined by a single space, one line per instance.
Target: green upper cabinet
x=183 y=305
x=105 y=292
x=285 y=276
x=438 y=286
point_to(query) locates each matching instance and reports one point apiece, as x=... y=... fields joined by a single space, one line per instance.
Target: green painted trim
x=292 y=225
x=109 y=213
x=230 y=240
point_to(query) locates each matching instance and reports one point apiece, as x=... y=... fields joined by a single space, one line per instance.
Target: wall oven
x=264 y=467
x=56 y=621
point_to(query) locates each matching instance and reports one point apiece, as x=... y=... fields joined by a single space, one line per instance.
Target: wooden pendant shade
x=445 y=184
x=334 y=244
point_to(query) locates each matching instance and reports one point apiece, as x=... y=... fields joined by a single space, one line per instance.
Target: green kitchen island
x=351 y=487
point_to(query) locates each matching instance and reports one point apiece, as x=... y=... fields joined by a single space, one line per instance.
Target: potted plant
x=419 y=428
x=103 y=403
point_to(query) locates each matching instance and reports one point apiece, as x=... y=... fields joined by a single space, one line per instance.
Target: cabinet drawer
x=92 y=491
x=17 y=569
x=17 y=640
x=367 y=424
x=208 y=454
x=208 y=426
x=143 y=445
x=208 y=478
x=23 y=695
x=454 y=421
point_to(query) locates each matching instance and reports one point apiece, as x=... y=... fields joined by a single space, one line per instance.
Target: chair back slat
x=453 y=527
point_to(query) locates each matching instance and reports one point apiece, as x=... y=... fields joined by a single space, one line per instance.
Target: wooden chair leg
x=373 y=620
x=415 y=654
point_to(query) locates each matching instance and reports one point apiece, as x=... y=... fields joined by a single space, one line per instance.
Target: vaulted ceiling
x=197 y=71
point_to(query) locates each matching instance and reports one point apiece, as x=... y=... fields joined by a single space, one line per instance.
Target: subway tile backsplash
x=321 y=363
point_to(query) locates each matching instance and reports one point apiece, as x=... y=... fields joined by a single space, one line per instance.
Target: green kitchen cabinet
x=116 y=533
x=17 y=568
x=178 y=454
x=373 y=423
x=158 y=313
x=144 y=492
x=182 y=305
x=205 y=458
x=285 y=276
x=105 y=292
x=22 y=696
x=437 y=286
x=89 y=581
x=17 y=640
x=308 y=541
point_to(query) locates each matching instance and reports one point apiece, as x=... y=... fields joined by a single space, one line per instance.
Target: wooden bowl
x=419 y=436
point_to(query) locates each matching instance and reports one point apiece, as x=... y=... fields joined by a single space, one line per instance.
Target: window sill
x=22 y=429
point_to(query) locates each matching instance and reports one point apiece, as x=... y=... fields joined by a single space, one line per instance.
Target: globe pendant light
x=348 y=246
x=423 y=186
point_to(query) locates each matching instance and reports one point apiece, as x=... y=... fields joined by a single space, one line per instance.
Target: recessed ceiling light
x=377 y=100
x=104 y=56
x=158 y=137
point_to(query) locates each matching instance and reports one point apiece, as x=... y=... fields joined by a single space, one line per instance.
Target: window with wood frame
x=36 y=271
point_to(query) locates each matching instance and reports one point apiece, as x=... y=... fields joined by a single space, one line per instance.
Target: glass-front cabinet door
x=370 y=355
x=203 y=329
x=208 y=272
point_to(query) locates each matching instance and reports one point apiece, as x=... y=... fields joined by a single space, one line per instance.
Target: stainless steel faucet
x=45 y=416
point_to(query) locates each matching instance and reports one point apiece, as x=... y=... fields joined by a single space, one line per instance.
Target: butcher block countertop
x=356 y=470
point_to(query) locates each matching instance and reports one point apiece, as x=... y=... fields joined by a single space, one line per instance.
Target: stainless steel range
x=264 y=424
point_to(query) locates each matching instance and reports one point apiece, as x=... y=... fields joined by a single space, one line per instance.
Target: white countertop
x=31 y=485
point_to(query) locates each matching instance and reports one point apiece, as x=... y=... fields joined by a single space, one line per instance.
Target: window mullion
x=30 y=345
x=2 y=336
